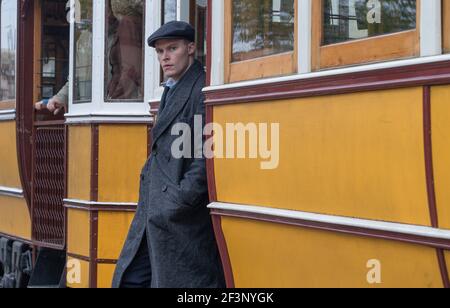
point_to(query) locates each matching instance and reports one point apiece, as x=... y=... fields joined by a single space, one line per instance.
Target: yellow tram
x=337 y=110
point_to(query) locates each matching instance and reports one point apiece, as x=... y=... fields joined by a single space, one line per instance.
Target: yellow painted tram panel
x=440 y=112
x=77 y=274
x=14 y=217
x=9 y=175
x=105 y=273
x=112 y=231
x=122 y=154
x=357 y=155
x=272 y=255
x=79 y=166
x=78 y=232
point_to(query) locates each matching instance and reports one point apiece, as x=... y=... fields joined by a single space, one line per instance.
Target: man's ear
x=192 y=48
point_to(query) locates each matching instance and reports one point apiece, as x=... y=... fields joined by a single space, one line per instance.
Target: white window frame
x=98 y=109
x=430 y=45
x=431 y=28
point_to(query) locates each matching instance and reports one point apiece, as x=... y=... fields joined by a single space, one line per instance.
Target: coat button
x=164 y=189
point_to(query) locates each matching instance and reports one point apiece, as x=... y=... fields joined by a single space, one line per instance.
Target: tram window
x=124 y=50
x=389 y=27
x=262 y=28
x=54 y=55
x=261 y=39
x=83 y=52
x=169 y=11
x=8 y=41
x=198 y=20
x=345 y=20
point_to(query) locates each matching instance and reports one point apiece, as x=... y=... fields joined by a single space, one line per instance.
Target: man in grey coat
x=171 y=243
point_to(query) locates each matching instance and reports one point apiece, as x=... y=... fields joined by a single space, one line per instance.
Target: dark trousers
x=139 y=273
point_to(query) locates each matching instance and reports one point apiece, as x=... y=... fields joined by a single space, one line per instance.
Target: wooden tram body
x=360 y=192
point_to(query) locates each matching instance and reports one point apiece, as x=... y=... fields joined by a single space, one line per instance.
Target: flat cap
x=173 y=30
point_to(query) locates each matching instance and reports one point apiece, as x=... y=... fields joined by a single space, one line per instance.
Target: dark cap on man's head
x=173 y=30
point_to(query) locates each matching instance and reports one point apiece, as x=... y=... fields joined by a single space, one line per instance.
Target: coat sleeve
x=193 y=185
x=63 y=94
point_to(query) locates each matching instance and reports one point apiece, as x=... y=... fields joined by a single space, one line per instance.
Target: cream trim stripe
x=7 y=115
x=92 y=203
x=336 y=220
x=87 y=119
x=11 y=192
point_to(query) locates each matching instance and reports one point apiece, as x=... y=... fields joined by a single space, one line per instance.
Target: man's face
x=175 y=56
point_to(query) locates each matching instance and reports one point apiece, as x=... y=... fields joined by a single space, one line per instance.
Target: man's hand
x=55 y=105
x=40 y=106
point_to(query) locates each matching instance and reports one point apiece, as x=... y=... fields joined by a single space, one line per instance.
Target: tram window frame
x=195 y=21
x=100 y=109
x=10 y=104
x=381 y=48
x=121 y=110
x=124 y=100
x=251 y=69
x=49 y=83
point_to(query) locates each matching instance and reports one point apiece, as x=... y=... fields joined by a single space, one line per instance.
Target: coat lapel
x=178 y=100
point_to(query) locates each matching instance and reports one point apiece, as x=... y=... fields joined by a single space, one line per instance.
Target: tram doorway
x=51 y=71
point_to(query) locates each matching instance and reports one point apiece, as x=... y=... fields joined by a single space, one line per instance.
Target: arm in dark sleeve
x=194 y=185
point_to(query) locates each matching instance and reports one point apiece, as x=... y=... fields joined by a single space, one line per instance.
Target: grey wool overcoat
x=173 y=201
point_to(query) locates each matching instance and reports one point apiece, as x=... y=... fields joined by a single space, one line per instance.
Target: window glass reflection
x=83 y=51
x=346 y=20
x=124 y=50
x=8 y=43
x=169 y=11
x=262 y=28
